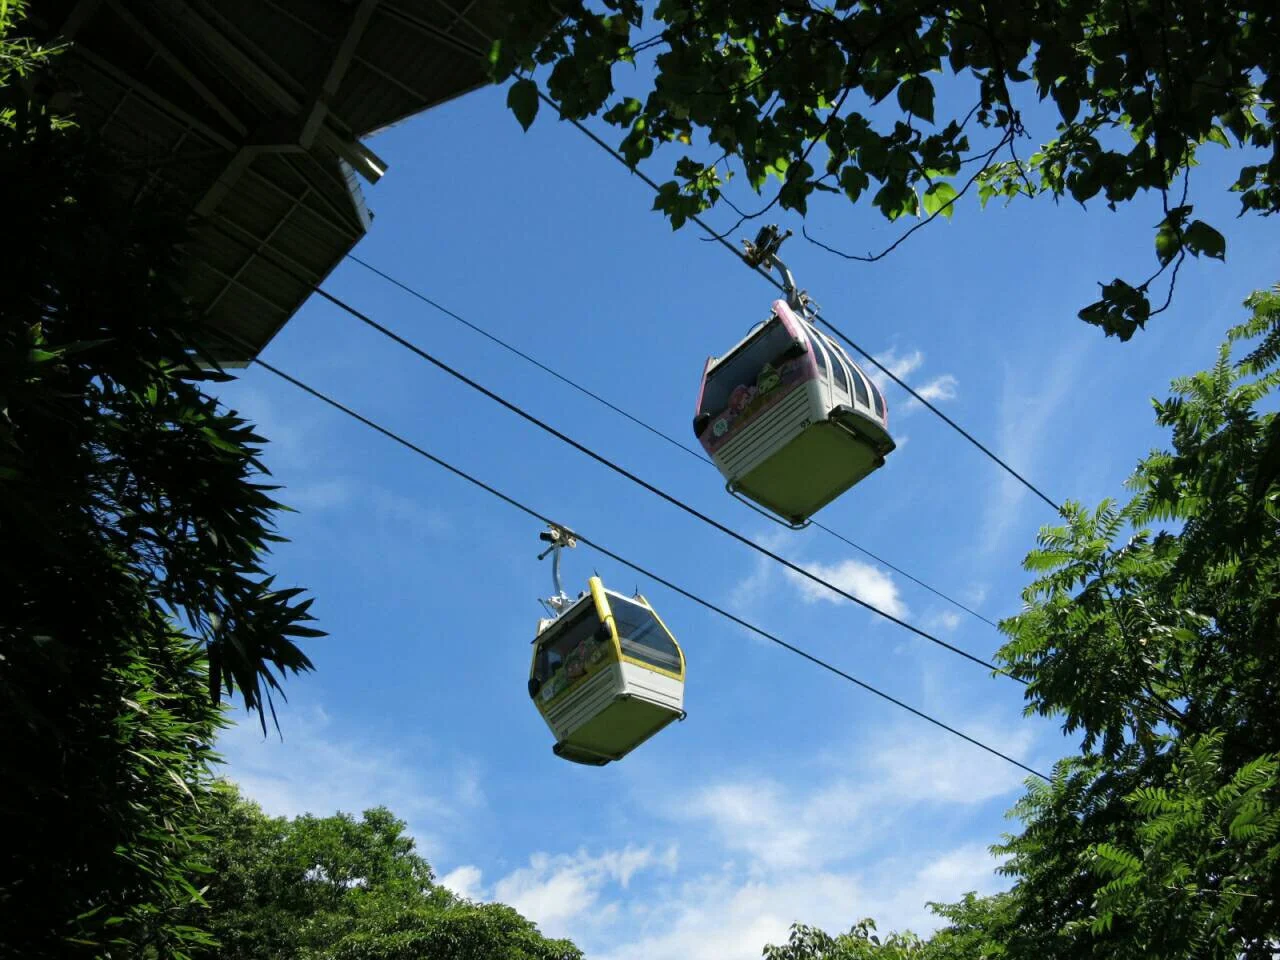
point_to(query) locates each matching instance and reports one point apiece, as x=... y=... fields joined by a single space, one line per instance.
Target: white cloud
x=866 y=582
x=464 y=881
x=848 y=836
x=321 y=495
x=1031 y=398
x=938 y=390
x=947 y=620
x=948 y=770
x=901 y=367
x=317 y=769
x=552 y=891
x=721 y=917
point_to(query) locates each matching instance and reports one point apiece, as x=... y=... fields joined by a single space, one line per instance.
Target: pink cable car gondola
x=788 y=419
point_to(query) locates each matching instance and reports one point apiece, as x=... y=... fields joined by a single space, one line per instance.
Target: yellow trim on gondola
x=604 y=612
x=604 y=616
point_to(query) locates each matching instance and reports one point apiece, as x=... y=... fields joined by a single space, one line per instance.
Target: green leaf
x=853 y=181
x=1168 y=243
x=940 y=197
x=915 y=96
x=522 y=98
x=1068 y=102
x=1218 y=135
x=1203 y=239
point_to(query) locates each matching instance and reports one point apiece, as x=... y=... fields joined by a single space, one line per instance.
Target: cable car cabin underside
x=606 y=676
x=789 y=420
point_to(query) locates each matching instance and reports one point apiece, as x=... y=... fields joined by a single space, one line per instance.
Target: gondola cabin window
x=743 y=368
x=554 y=652
x=861 y=388
x=819 y=352
x=643 y=638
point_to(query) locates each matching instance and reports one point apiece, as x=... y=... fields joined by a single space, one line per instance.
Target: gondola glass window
x=642 y=636
x=743 y=367
x=860 y=389
x=552 y=656
x=819 y=353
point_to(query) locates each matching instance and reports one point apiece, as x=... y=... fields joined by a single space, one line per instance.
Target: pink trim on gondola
x=748 y=401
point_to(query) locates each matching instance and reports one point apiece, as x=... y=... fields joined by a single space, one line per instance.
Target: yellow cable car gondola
x=789 y=420
x=606 y=674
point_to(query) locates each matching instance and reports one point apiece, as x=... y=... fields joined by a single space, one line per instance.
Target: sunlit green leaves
x=339 y=887
x=940 y=198
x=765 y=80
x=1156 y=648
x=130 y=503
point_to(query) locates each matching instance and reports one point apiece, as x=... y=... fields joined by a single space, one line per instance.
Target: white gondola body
x=811 y=426
x=619 y=702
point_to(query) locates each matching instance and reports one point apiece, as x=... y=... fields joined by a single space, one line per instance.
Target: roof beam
x=337 y=70
x=432 y=30
x=82 y=11
x=138 y=88
x=234 y=57
x=177 y=66
x=367 y=163
x=234 y=279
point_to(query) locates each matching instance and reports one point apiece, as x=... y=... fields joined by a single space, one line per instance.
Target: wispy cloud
x=408 y=516
x=940 y=389
x=564 y=891
x=947 y=620
x=839 y=843
x=321 y=495
x=1031 y=398
x=320 y=769
x=863 y=580
x=936 y=390
x=901 y=366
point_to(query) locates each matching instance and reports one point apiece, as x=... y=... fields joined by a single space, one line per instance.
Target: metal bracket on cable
x=559 y=537
x=763 y=252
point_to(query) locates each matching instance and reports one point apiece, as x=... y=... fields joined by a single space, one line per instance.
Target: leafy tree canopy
x=1151 y=631
x=342 y=888
x=910 y=103
x=1159 y=648
x=133 y=527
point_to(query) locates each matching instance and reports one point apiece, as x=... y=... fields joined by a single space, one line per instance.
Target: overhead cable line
x=641 y=423
x=616 y=468
x=723 y=241
x=687 y=594
x=623 y=471
x=720 y=238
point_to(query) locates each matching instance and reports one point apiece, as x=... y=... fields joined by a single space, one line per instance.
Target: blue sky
x=787 y=795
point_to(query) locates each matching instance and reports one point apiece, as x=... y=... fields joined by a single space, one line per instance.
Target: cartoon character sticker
x=749 y=400
x=738 y=400
x=768 y=378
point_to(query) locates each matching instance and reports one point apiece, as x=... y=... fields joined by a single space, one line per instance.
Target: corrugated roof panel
x=216 y=87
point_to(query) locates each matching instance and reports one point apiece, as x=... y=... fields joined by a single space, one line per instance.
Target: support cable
x=687 y=594
x=646 y=426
